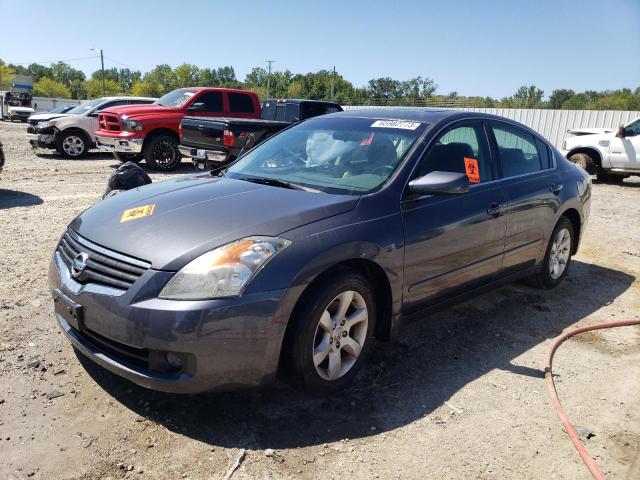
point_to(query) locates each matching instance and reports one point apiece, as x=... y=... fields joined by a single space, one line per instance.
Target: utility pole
x=333 y=81
x=269 y=62
x=104 y=89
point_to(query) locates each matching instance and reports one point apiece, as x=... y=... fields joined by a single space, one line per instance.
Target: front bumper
x=42 y=140
x=225 y=344
x=121 y=145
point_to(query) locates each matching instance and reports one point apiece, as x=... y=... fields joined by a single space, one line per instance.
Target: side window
x=633 y=129
x=463 y=149
x=212 y=101
x=543 y=152
x=517 y=149
x=240 y=103
x=115 y=103
x=140 y=102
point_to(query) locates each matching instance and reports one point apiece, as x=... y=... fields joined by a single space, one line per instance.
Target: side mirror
x=621 y=132
x=196 y=107
x=440 y=183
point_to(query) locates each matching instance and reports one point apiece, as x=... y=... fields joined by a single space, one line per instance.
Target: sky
x=484 y=47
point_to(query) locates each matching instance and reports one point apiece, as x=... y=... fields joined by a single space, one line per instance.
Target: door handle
x=556 y=187
x=495 y=210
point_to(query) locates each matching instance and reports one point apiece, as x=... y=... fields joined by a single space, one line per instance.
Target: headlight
x=223 y=272
x=584 y=186
x=132 y=125
x=46 y=124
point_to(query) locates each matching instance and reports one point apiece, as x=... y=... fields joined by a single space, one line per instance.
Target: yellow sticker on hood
x=137 y=212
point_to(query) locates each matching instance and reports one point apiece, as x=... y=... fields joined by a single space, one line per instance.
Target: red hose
x=555 y=402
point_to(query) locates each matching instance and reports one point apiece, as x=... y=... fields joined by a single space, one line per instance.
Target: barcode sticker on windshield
x=395 y=124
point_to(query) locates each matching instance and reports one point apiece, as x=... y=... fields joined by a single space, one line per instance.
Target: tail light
x=228 y=138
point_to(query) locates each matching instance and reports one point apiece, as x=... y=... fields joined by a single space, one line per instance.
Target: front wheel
x=333 y=333
x=162 y=153
x=73 y=144
x=128 y=157
x=557 y=259
x=584 y=161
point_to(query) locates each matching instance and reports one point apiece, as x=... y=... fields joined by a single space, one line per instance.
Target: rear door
x=529 y=178
x=241 y=105
x=454 y=242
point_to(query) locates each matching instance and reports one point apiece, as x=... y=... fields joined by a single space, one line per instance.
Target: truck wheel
x=73 y=144
x=584 y=161
x=127 y=157
x=162 y=153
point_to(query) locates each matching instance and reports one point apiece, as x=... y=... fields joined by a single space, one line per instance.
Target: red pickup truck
x=151 y=132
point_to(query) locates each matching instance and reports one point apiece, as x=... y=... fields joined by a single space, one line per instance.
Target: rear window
x=240 y=103
x=312 y=109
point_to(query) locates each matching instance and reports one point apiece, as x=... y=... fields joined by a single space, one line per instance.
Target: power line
x=119 y=63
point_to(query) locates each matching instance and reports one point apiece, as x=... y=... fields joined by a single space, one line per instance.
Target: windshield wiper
x=277 y=183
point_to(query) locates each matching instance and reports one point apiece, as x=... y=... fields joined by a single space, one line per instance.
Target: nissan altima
x=287 y=263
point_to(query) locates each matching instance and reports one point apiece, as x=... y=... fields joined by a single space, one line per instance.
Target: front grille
x=109 y=122
x=103 y=266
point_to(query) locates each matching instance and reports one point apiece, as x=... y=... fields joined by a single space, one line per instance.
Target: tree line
x=62 y=80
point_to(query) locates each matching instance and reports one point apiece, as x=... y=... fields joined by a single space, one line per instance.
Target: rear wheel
x=162 y=153
x=73 y=144
x=128 y=157
x=333 y=333
x=557 y=259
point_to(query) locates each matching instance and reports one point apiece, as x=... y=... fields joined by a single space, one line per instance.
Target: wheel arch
x=576 y=220
x=382 y=291
x=594 y=153
x=159 y=131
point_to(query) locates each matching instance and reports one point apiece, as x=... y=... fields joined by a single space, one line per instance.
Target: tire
x=609 y=178
x=162 y=153
x=318 y=322
x=73 y=144
x=584 y=161
x=128 y=157
x=555 y=266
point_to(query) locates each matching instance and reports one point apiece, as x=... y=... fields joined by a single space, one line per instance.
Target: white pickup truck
x=611 y=154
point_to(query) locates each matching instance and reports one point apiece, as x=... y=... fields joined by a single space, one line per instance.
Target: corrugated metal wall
x=553 y=124
x=42 y=104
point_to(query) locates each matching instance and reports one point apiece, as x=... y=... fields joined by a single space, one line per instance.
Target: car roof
x=124 y=97
x=415 y=114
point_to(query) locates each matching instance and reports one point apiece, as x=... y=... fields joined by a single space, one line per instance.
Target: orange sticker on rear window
x=472 y=170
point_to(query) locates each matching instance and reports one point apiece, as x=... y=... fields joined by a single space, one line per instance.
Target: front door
x=454 y=241
x=625 y=151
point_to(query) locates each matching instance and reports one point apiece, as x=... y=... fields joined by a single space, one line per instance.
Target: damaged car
x=72 y=134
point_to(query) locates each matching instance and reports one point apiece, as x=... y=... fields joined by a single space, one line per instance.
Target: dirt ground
x=459 y=395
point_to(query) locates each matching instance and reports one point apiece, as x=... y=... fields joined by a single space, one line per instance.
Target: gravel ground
x=460 y=395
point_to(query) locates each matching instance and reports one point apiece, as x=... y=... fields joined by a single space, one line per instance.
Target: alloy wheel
x=164 y=154
x=73 y=146
x=560 y=253
x=340 y=335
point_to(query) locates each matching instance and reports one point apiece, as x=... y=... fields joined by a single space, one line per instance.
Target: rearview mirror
x=621 y=132
x=440 y=183
x=196 y=107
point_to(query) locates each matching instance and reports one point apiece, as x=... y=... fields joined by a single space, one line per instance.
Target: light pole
x=104 y=89
x=269 y=62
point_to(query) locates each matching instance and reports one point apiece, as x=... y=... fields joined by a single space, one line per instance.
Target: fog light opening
x=174 y=360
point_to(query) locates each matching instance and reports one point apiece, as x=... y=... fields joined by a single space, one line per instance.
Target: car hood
x=146 y=109
x=191 y=215
x=590 y=131
x=43 y=117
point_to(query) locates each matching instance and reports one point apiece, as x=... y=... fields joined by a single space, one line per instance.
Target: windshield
x=177 y=98
x=85 y=107
x=350 y=156
x=59 y=109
